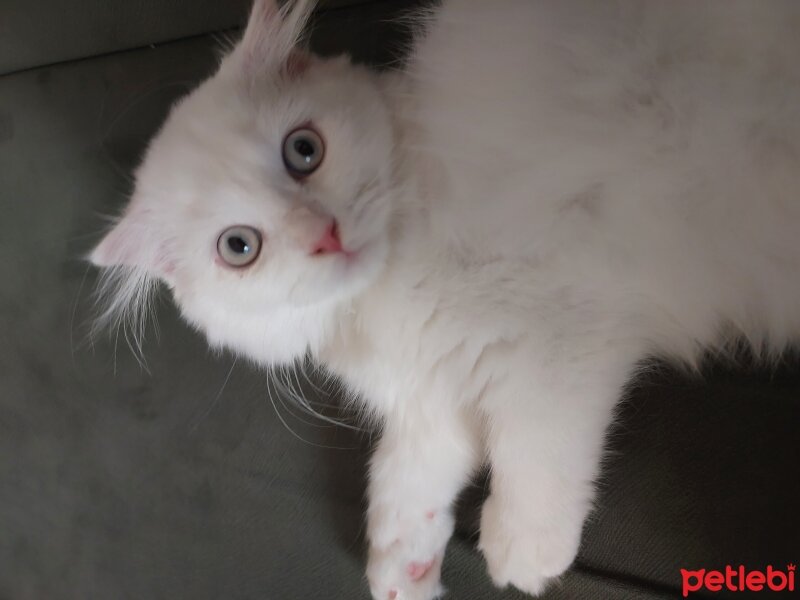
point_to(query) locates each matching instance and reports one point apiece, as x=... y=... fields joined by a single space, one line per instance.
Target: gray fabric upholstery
x=49 y=31
x=184 y=480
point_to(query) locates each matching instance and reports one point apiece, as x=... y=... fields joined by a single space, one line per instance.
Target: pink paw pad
x=418 y=570
x=430 y=514
x=392 y=594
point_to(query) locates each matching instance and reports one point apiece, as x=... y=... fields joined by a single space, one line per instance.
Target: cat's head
x=265 y=199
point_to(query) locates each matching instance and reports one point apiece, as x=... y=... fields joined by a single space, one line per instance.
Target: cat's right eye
x=239 y=246
x=303 y=151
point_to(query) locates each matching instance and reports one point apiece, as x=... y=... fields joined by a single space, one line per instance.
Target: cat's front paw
x=394 y=574
x=523 y=550
x=406 y=553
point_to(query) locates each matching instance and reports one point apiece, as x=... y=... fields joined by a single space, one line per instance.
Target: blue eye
x=239 y=246
x=303 y=151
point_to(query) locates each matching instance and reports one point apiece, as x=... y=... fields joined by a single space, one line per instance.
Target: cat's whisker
x=303 y=403
x=226 y=41
x=307 y=404
x=292 y=431
x=74 y=312
x=283 y=391
x=213 y=404
x=116 y=343
x=125 y=299
x=303 y=364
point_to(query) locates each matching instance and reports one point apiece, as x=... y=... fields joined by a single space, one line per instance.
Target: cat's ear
x=271 y=40
x=133 y=242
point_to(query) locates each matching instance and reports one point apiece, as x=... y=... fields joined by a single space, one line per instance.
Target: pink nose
x=329 y=243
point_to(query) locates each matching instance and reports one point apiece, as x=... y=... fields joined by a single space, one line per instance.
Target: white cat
x=484 y=245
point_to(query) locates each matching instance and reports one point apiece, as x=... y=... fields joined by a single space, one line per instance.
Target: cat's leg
x=545 y=442
x=424 y=458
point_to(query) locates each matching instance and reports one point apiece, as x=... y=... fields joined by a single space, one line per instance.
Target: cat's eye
x=239 y=246
x=303 y=151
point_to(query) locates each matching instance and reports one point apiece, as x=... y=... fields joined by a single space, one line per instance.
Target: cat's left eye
x=303 y=151
x=239 y=246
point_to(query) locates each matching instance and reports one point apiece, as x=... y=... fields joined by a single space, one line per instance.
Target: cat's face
x=265 y=199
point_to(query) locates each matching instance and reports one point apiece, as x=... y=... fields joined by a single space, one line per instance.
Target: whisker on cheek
x=124 y=299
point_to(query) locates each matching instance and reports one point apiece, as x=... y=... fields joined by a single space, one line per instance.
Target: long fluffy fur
x=546 y=194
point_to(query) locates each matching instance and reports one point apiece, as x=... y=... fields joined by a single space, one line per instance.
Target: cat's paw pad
x=418 y=570
x=392 y=578
x=406 y=552
x=524 y=553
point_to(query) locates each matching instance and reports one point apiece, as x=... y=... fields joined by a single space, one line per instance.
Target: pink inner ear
x=164 y=264
x=262 y=25
x=268 y=46
x=297 y=63
x=264 y=11
x=263 y=34
x=131 y=242
x=113 y=249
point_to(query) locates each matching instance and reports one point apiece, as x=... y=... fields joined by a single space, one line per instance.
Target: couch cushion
x=51 y=31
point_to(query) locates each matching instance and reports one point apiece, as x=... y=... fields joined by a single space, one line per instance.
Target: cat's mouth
x=331 y=244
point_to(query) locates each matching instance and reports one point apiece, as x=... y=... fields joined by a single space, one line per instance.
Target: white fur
x=549 y=193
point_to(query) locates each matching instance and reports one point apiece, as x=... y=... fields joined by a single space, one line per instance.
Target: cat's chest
x=391 y=344
x=410 y=339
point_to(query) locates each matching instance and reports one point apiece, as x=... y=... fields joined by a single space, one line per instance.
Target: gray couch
x=192 y=478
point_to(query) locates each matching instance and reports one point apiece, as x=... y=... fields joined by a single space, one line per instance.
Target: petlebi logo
x=739 y=580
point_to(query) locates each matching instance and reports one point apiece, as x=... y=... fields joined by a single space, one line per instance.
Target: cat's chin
x=349 y=275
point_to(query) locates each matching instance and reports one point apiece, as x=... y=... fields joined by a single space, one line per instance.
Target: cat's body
x=548 y=194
